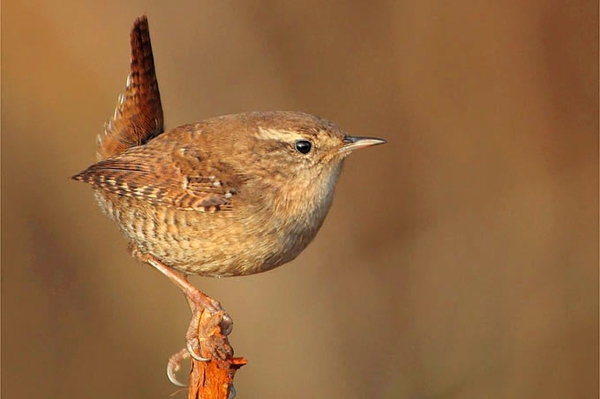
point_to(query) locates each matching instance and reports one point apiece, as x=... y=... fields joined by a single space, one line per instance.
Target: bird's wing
x=182 y=177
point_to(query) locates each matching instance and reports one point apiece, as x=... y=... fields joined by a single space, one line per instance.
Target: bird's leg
x=198 y=302
x=193 y=295
x=192 y=335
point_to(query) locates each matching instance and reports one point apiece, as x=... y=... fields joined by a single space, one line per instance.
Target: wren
x=229 y=196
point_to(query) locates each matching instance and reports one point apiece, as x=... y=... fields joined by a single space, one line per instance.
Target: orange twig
x=213 y=379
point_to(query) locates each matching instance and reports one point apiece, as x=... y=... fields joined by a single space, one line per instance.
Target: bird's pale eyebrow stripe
x=276 y=134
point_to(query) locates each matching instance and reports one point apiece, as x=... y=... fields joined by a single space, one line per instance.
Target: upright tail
x=138 y=116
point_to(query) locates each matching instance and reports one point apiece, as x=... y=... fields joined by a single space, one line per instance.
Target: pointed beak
x=354 y=143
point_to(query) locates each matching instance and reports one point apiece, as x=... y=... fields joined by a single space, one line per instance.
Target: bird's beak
x=354 y=143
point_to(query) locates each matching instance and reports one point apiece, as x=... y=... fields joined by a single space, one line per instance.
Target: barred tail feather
x=138 y=116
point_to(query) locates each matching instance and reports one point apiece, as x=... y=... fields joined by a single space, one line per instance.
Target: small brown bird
x=230 y=196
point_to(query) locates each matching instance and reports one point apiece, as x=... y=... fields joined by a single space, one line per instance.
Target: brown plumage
x=229 y=196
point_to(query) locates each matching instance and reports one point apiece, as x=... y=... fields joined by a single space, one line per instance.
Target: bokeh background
x=458 y=261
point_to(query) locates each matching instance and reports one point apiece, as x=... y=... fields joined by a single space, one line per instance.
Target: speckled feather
x=167 y=172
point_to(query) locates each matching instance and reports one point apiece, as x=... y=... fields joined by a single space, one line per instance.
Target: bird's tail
x=138 y=116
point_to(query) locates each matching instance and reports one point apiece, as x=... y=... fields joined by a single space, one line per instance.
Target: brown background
x=458 y=261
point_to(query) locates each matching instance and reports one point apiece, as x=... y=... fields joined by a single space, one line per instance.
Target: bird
x=232 y=195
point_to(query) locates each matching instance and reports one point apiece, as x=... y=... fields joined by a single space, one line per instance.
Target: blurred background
x=458 y=261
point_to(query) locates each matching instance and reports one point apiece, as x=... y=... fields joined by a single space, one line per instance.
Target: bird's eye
x=303 y=146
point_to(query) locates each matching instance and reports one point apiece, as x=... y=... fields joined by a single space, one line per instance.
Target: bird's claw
x=174 y=365
x=193 y=349
x=226 y=324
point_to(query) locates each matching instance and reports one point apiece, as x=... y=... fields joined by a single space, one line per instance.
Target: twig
x=213 y=379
